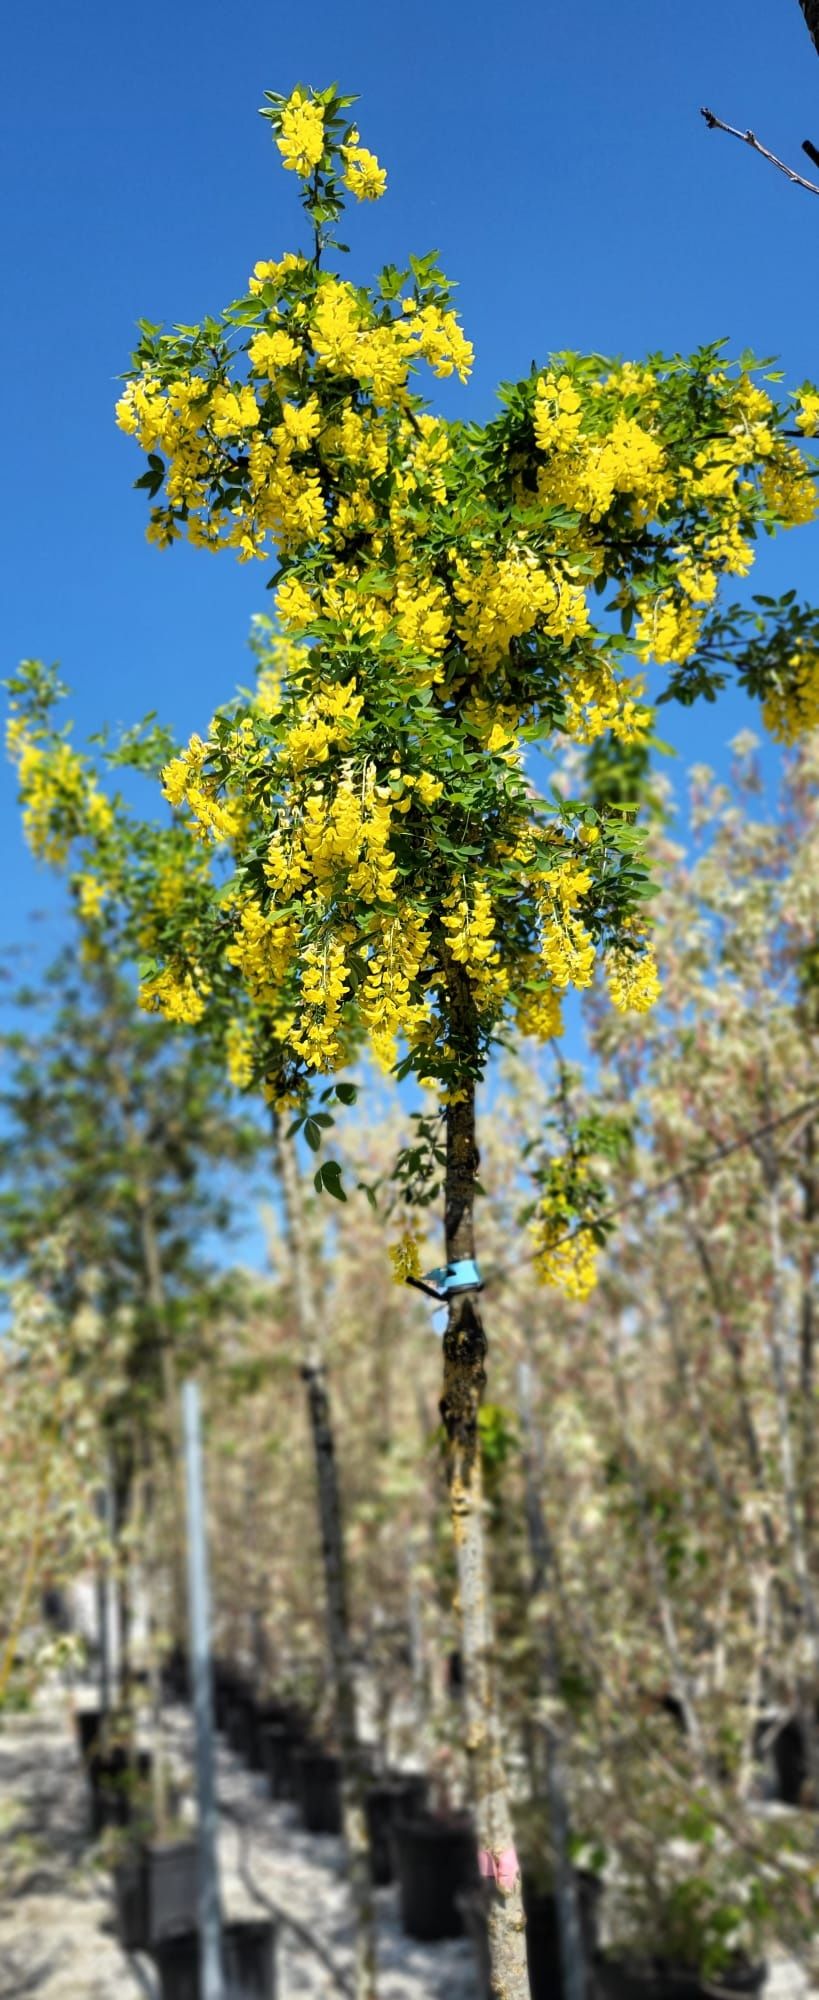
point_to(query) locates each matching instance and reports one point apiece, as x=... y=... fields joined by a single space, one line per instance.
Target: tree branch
x=716 y=124
x=810 y=9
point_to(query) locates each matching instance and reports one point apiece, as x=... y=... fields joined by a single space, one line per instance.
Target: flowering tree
x=405 y=880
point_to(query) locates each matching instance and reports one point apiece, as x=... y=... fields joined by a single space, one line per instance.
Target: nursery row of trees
x=358 y=862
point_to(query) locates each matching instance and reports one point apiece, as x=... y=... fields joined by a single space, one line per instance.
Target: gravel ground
x=57 y=1939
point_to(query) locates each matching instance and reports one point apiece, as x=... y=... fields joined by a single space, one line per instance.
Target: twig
x=716 y=124
x=669 y=1181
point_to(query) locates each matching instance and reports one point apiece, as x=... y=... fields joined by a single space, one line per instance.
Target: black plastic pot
x=176 y=1675
x=156 y=1891
x=543 y=1933
x=623 y=1980
x=318 y=1788
x=88 y=1723
x=279 y=1745
x=434 y=1860
x=240 y=1724
x=389 y=1799
x=249 y=1963
x=115 y=1777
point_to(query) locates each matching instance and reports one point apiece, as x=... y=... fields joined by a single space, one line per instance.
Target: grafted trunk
x=465 y=1350
x=332 y=1547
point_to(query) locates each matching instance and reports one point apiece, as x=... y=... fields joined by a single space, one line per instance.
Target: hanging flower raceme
x=444 y=592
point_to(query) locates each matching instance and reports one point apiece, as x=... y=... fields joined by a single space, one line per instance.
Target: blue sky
x=555 y=157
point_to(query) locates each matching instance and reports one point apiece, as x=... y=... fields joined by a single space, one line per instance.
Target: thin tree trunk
x=20 y=1612
x=774 y=1341
x=332 y=1543
x=809 y=1176
x=465 y=1350
x=157 y=1300
x=568 y=1913
x=680 y=1683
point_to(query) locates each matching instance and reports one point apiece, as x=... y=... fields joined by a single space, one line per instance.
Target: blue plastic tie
x=447 y=1279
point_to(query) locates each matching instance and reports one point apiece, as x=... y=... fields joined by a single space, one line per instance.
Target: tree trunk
x=680 y=1683
x=809 y=1176
x=332 y=1545
x=572 y=1956
x=465 y=1350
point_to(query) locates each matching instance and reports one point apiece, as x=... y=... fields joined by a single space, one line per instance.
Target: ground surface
x=57 y=1939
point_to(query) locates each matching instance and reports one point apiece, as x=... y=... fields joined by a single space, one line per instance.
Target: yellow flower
x=362 y=173
x=632 y=979
x=807 y=411
x=301 y=138
x=174 y=994
x=405 y=1257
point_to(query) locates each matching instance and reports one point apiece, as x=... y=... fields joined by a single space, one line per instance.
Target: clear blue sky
x=555 y=157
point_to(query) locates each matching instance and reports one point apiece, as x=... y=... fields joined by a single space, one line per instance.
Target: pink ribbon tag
x=502 y=1867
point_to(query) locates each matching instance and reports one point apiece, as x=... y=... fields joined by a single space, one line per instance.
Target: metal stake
x=210 y=1916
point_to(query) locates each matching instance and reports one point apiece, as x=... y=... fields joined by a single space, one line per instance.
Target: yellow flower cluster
x=565 y=1257
x=405 y=1257
x=362 y=173
x=301 y=139
x=173 y=993
x=790 y=711
x=597 y=701
x=538 y=1011
x=633 y=980
x=182 y=785
x=507 y=596
x=91 y=893
x=668 y=629
x=586 y=471
x=385 y=997
x=567 y=947
x=60 y=797
x=316 y=1034
x=263 y=951
x=239 y=1049
x=807 y=412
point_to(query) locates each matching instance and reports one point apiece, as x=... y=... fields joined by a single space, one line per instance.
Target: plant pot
x=434 y=1859
x=248 y=1956
x=542 y=1934
x=390 y=1799
x=176 y=1675
x=624 y=1979
x=279 y=1745
x=88 y=1723
x=240 y=1724
x=156 y=1892
x=115 y=1776
x=318 y=1788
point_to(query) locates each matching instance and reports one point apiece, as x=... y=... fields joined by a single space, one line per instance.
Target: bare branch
x=716 y=124
x=810 y=9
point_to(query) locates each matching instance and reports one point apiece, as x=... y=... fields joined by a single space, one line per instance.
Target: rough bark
x=332 y=1545
x=571 y=1938
x=465 y=1350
